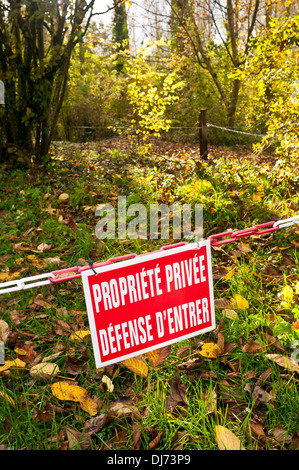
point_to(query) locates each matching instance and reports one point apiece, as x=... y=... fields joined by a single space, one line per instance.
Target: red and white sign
x=149 y=302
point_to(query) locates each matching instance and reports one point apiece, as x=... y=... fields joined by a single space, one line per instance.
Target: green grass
x=32 y=214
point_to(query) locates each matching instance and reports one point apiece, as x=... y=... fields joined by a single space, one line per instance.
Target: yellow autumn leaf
x=210 y=350
x=297 y=288
x=89 y=405
x=65 y=391
x=137 y=365
x=20 y=351
x=256 y=197
x=10 y=364
x=287 y=294
x=80 y=335
x=6 y=397
x=35 y=261
x=9 y=277
x=226 y=439
x=239 y=302
x=230 y=273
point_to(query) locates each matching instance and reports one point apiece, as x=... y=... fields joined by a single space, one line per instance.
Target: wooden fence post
x=203 y=134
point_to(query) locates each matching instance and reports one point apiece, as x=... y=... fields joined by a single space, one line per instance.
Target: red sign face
x=149 y=302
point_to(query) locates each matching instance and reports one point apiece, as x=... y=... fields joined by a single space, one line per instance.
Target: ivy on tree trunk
x=36 y=43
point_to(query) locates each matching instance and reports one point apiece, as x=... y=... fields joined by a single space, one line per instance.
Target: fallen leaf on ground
x=136 y=436
x=210 y=350
x=80 y=335
x=230 y=313
x=10 y=364
x=6 y=397
x=155 y=442
x=287 y=294
x=44 y=370
x=257 y=430
x=253 y=347
x=108 y=382
x=42 y=415
x=227 y=440
x=43 y=247
x=64 y=197
x=222 y=303
x=230 y=273
x=93 y=426
x=238 y=301
x=65 y=391
x=4 y=331
x=281 y=435
x=158 y=356
x=39 y=300
x=124 y=409
x=244 y=247
x=259 y=395
x=284 y=361
x=137 y=365
x=73 y=436
x=25 y=352
x=176 y=402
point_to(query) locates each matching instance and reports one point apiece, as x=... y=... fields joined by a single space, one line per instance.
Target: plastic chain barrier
x=68 y=274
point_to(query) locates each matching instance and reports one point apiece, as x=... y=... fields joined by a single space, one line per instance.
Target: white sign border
x=140 y=259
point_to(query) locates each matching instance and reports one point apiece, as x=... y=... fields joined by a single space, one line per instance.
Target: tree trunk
x=36 y=44
x=231 y=110
x=231 y=43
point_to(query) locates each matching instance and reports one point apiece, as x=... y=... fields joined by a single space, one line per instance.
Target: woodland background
x=71 y=75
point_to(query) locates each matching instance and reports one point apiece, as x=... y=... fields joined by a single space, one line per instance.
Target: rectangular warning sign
x=150 y=301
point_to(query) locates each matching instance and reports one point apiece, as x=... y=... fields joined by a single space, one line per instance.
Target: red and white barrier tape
x=67 y=274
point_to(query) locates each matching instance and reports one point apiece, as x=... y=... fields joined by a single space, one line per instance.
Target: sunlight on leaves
x=210 y=350
x=239 y=302
x=80 y=335
x=287 y=296
x=137 y=365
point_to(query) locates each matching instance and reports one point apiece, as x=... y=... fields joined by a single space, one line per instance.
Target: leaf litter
x=106 y=402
